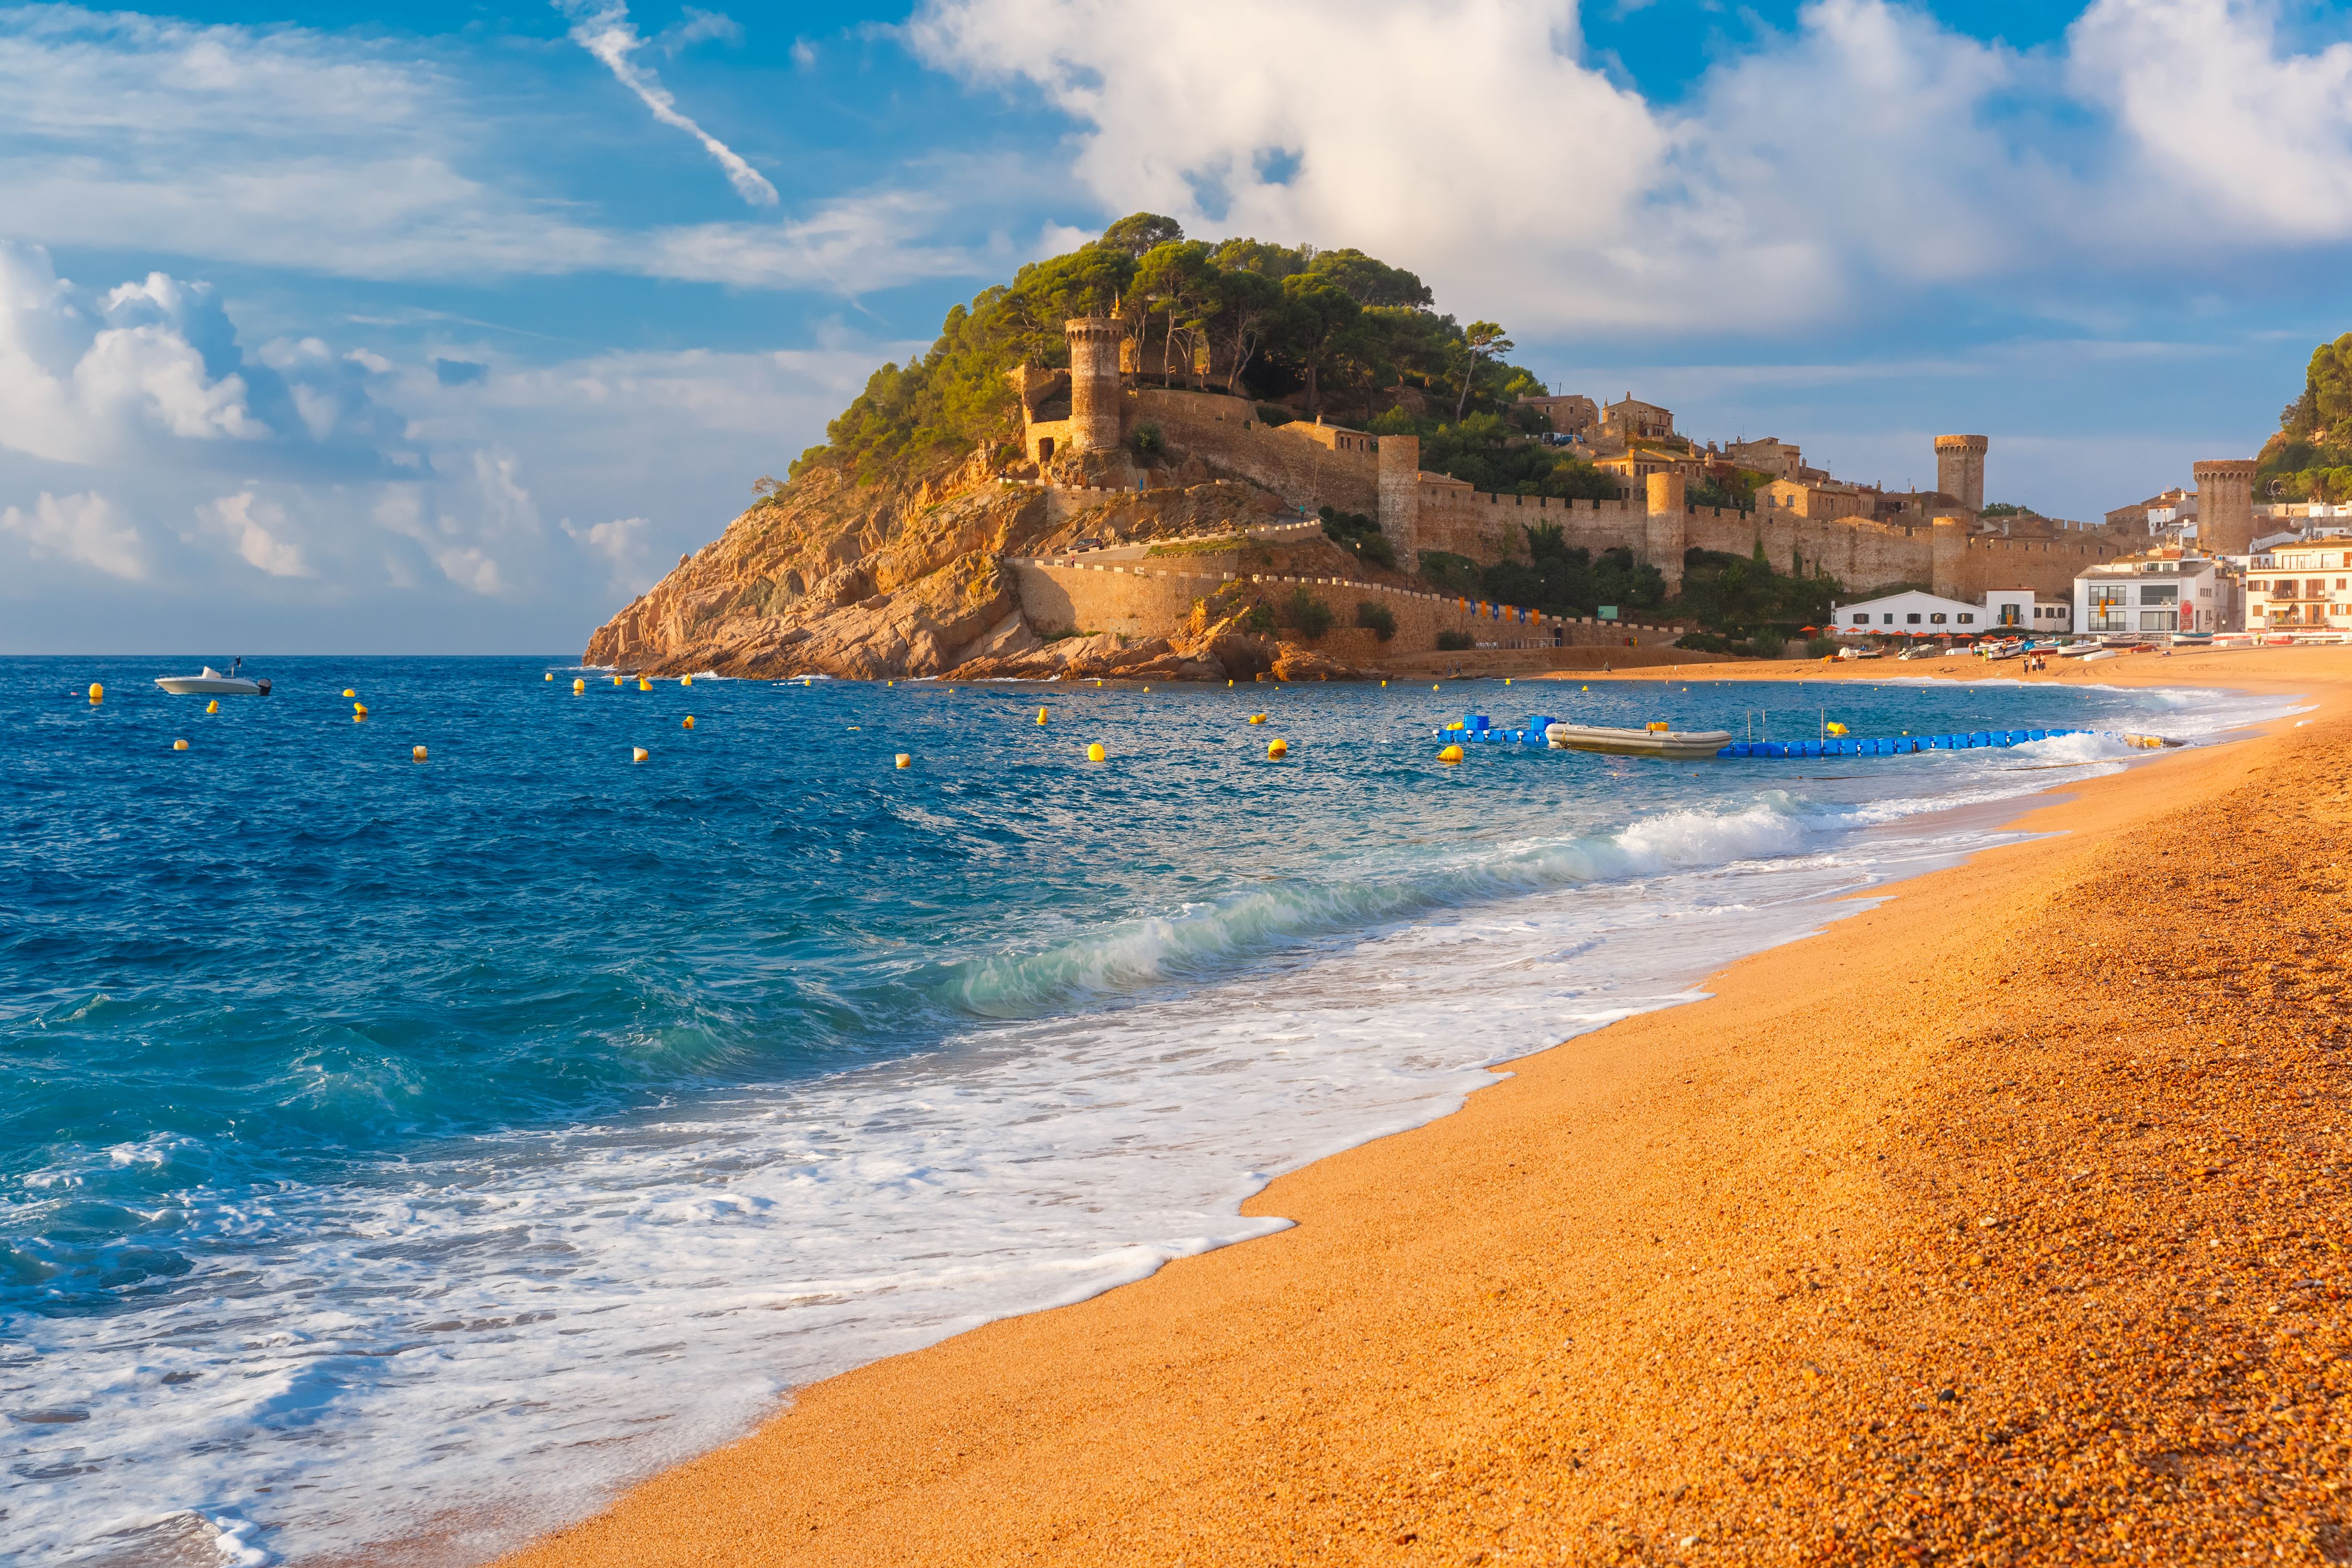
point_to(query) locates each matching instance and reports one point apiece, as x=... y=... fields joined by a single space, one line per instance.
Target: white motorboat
x=1851 y=652
x=1654 y=741
x=212 y=683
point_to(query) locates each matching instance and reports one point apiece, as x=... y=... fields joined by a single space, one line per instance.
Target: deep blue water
x=251 y=989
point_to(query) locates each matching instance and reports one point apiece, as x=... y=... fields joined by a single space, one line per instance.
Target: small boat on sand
x=1654 y=741
x=212 y=683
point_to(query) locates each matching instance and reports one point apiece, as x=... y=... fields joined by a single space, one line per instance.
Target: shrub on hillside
x=1376 y=618
x=1354 y=531
x=1454 y=642
x=1304 y=614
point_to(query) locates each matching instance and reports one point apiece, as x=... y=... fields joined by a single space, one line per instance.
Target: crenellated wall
x=1145 y=601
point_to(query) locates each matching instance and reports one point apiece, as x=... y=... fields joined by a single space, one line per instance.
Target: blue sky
x=450 y=328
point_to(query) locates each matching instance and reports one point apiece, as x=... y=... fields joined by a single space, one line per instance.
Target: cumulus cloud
x=82 y=382
x=258 y=529
x=605 y=31
x=86 y=528
x=1870 y=150
x=2217 y=107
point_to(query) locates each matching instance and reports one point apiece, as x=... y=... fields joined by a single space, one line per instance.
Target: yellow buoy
x=1228 y=683
x=1096 y=754
x=1257 y=717
x=578 y=687
x=1432 y=688
x=1147 y=688
x=350 y=692
x=686 y=680
x=616 y=680
x=415 y=753
x=644 y=685
x=638 y=753
x=179 y=745
x=213 y=706
x=689 y=722
x=1041 y=715
x=550 y=676
x=1383 y=683
x=1451 y=754
x=1507 y=680
x=97 y=692
x=905 y=761
x=1278 y=748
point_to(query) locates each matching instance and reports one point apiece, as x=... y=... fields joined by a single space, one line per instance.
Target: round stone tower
x=2225 y=505
x=1093 y=383
x=1960 y=469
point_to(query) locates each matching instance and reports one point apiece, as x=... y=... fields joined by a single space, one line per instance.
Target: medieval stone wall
x=1307 y=465
x=1141 y=600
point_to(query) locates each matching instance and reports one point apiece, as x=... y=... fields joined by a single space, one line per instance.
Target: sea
x=404 y=1155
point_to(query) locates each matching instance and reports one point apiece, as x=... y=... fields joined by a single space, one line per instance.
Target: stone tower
x=1665 y=527
x=1960 y=469
x=2225 y=505
x=1093 y=383
x=1400 y=492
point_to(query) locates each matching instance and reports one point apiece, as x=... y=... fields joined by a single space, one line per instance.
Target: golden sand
x=2003 y=1223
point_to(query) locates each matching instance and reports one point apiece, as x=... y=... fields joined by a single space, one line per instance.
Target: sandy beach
x=2002 y=1222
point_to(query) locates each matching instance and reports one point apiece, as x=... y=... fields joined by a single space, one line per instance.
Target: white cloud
x=85 y=529
x=2252 y=135
x=258 y=529
x=83 y=383
x=622 y=541
x=605 y=31
x=1870 y=153
x=287 y=148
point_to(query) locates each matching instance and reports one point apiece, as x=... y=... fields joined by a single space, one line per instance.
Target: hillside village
x=1133 y=462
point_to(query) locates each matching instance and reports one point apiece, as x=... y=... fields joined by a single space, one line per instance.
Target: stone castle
x=1079 y=428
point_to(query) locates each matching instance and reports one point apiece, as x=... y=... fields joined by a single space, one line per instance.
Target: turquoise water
x=387 y=1141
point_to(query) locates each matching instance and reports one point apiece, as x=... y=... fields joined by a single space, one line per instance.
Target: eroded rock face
x=837 y=578
x=878 y=581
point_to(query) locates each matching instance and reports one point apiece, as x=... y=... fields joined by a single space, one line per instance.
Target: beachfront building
x=2162 y=590
x=2300 y=586
x=1917 y=613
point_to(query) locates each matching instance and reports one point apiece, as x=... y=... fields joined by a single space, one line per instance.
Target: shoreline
x=1458 y=1346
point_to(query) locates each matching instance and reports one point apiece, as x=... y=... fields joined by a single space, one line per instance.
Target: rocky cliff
x=907 y=578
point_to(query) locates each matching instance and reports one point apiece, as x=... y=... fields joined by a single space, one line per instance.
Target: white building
x=2300 y=585
x=1931 y=615
x=2163 y=591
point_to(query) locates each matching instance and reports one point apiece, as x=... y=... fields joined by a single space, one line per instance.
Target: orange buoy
x=1278 y=748
x=905 y=761
x=638 y=753
x=689 y=721
x=179 y=745
x=415 y=753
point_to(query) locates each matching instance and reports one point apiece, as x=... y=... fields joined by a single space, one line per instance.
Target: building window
x=2158 y=620
x=1937 y=618
x=1967 y=619
x=2159 y=593
x=1913 y=619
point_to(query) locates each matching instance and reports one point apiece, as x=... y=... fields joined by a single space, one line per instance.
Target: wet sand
x=2001 y=1223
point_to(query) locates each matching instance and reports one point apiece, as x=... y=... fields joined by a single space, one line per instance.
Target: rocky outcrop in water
x=891 y=581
